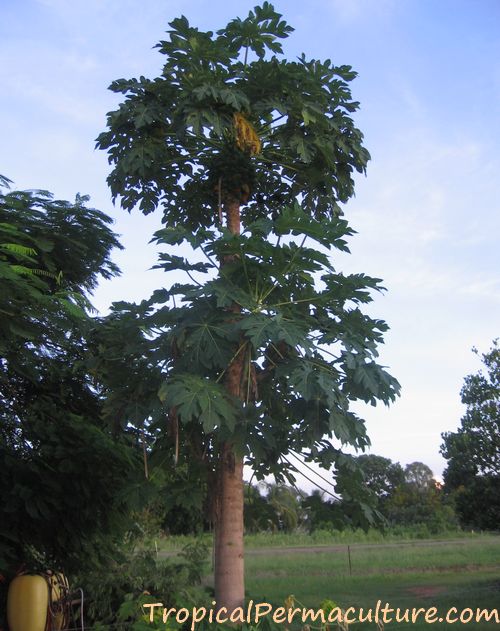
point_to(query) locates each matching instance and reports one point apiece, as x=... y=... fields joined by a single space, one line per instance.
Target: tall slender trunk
x=229 y=562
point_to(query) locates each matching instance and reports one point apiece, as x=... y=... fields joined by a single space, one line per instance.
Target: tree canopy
x=227 y=107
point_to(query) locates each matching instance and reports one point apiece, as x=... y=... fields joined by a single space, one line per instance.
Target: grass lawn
x=461 y=573
x=411 y=590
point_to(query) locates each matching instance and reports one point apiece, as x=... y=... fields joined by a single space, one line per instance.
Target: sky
x=426 y=214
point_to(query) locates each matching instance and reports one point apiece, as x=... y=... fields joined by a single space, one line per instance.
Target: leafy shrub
x=114 y=595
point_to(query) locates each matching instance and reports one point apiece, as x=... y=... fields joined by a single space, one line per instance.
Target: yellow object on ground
x=27 y=603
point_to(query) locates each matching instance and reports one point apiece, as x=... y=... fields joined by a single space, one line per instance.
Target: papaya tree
x=250 y=158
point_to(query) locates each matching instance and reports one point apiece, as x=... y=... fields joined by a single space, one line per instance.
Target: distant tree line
x=389 y=495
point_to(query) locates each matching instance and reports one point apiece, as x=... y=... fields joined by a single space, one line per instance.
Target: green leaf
x=294 y=220
x=200 y=399
x=302 y=147
x=17 y=248
x=171 y=262
x=258 y=328
x=228 y=293
x=206 y=339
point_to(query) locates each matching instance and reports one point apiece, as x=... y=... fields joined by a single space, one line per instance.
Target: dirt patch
x=425 y=591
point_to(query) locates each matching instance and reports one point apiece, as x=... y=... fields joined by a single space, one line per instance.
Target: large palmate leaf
x=264 y=329
x=196 y=398
x=296 y=221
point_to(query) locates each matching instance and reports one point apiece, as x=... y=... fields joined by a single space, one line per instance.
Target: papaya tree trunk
x=229 y=561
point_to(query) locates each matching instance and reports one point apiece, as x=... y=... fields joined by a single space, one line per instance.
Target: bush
x=114 y=595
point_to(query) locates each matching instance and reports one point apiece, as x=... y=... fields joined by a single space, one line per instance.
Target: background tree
x=279 y=508
x=473 y=452
x=285 y=503
x=250 y=156
x=419 y=476
x=324 y=513
x=376 y=491
x=366 y=487
x=64 y=471
x=258 y=514
x=381 y=475
x=419 y=501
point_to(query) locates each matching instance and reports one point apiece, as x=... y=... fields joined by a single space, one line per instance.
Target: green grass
x=412 y=590
x=425 y=574
x=377 y=558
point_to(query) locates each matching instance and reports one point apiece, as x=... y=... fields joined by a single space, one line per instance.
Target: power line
x=295 y=455
x=294 y=467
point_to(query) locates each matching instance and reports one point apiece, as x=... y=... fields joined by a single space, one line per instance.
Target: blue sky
x=427 y=214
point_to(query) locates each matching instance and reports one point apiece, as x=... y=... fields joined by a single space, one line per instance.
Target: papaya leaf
x=200 y=399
